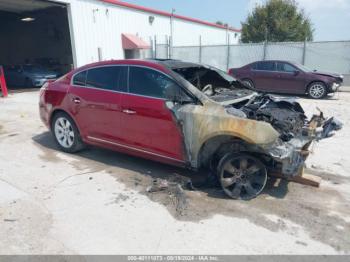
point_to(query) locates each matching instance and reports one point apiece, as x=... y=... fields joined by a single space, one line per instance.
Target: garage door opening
x=35 y=42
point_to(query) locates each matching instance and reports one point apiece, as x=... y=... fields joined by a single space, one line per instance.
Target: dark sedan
x=287 y=77
x=28 y=75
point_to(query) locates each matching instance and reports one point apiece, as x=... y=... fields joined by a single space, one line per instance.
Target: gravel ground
x=96 y=202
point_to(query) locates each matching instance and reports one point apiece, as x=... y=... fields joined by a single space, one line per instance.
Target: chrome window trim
x=133 y=148
x=119 y=92
x=128 y=80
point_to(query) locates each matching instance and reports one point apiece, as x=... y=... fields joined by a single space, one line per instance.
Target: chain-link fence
x=323 y=56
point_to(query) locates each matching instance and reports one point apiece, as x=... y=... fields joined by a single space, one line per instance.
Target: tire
x=317 y=90
x=241 y=176
x=249 y=83
x=66 y=133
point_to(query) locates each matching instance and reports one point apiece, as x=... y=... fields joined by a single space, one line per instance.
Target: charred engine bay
x=286 y=116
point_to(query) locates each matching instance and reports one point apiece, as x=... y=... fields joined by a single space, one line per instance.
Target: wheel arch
x=60 y=110
x=219 y=144
x=312 y=82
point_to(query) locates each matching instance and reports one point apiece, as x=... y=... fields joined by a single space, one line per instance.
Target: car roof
x=284 y=61
x=159 y=64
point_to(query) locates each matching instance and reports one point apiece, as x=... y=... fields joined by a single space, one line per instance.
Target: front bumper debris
x=291 y=155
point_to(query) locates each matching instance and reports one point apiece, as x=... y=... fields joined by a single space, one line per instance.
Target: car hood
x=327 y=74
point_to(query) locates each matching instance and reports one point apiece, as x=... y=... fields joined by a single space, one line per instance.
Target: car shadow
x=200 y=181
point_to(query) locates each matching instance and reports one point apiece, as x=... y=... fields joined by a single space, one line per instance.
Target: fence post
x=265 y=49
x=170 y=55
x=167 y=46
x=304 y=52
x=152 y=47
x=200 y=49
x=155 y=47
x=228 y=53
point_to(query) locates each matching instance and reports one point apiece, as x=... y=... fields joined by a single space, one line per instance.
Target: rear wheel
x=66 y=133
x=241 y=176
x=317 y=90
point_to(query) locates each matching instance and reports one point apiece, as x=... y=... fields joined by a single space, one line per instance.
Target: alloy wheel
x=64 y=132
x=317 y=90
x=242 y=176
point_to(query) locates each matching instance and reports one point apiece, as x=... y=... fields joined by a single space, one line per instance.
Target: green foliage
x=277 y=21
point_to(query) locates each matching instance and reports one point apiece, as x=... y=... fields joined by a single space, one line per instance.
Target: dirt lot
x=96 y=202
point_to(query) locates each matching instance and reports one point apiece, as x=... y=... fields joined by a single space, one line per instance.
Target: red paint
x=130 y=41
x=101 y=117
x=152 y=127
x=162 y=13
x=3 y=86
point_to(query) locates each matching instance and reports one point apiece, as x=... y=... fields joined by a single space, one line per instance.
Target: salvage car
x=184 y=114
x=28 y=75
x=287 y=77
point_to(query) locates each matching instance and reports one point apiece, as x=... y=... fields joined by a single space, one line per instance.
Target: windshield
x=202 y=76
x=302 y=67
x=223 y=74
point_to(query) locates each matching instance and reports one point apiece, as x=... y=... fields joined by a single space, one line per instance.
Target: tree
x=222 y=23
x=277 y=21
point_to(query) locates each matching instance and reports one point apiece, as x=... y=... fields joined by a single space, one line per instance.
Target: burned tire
x=249 y=83
x=241 y=176
x=66 y=133
x=317 y=90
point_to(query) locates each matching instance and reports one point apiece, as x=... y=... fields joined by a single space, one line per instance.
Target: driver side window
x=284 y=67
x=148 y=82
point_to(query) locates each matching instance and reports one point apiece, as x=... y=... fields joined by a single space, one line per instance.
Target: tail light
x=44 y=87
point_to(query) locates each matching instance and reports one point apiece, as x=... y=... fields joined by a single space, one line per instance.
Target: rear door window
x=265 y=66
x=103 y=77
x=112 y=78
x=80 y=79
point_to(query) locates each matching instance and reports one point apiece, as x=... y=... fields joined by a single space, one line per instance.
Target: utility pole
x=200 y=49
x=304 y=52
x=265 y=43
x=171 y=33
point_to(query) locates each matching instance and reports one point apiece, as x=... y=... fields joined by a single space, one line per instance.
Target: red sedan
x=287 y=77
x=184 y=114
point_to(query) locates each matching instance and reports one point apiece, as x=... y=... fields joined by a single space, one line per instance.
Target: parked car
x=184 y=114
x=287 y=77
x=27 y=75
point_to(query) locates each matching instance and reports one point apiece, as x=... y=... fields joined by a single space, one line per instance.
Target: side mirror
x=296 y=72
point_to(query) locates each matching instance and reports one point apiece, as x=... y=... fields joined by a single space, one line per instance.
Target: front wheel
x=242 y=176
x=66 y=133
x=248 y=83
x=317 y=90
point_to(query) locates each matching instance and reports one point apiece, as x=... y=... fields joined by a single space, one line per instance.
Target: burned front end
x=297 y=132
x=273 y=127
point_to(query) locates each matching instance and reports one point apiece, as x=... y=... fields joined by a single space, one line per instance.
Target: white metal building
x=62 y=33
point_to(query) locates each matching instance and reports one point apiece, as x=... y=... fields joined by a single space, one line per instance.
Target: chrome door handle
x=76 y=100
x=129 y=112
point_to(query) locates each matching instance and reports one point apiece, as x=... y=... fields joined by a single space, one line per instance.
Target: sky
x=330 y=18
